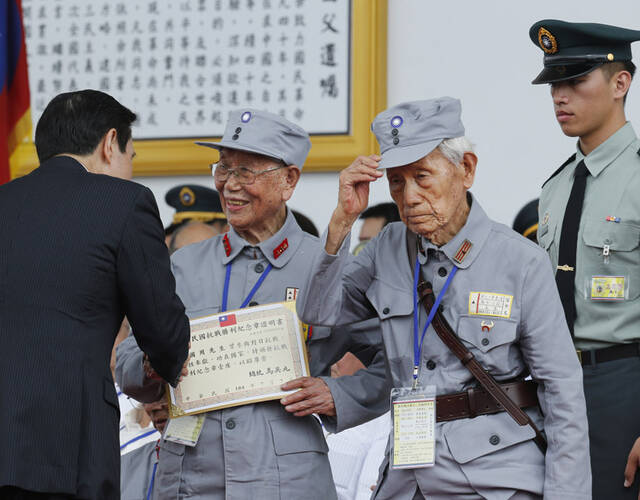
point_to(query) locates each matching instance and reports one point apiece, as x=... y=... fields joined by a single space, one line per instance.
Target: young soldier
x=590 y=226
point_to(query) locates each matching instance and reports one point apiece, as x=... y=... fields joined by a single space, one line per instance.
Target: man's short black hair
x=387 y=210
x=609 y=69
x=76 y=122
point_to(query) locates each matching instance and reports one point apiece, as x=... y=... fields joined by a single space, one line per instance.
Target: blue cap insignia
x=396 y=121
x=246 y=116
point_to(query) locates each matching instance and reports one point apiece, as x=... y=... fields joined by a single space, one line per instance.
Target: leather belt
x=608 y=353
x=476 y=401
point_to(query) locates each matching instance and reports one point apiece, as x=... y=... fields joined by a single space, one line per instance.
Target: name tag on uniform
x=413 y=422
x=607 y=288
x=490 y=304
x=184 y=430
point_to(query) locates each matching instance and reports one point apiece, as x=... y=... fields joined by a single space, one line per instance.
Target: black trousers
x=612 y=392
x=13 y=493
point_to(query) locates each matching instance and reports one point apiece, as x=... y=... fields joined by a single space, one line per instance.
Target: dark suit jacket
x=78 y=251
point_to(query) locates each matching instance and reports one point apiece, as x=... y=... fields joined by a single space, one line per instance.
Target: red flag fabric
x=15 y=117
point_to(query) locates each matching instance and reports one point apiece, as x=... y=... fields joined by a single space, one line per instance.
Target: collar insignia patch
x=280 y=249
x=462 y=251
x=227 y=245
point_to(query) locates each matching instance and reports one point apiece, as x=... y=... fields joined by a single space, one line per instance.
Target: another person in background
x=526 y=221
x=81 y=247
x=374 y=218
x=590 y=226
x=195 y=203
x=138 y=467
x=191 y=232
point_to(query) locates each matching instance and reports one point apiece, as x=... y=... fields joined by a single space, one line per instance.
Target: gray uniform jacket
x=489 y=454
x=136 y=471
x=611 y=193
x=259 y=450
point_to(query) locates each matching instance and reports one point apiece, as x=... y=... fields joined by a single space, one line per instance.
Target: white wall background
x=479 y=52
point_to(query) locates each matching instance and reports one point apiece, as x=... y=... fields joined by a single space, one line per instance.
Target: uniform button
x=607 y=241
x=494 y=440
x=442 y=272
x=235 y=137
x=396 y=140
x=431 y=364
x=231 y=424
x=394 y=132
x=385 y=310
x=238 y=130
x=253 y=303
x=485 y=341
x=259 y=268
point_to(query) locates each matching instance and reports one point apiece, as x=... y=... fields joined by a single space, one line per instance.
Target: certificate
x=240 y=357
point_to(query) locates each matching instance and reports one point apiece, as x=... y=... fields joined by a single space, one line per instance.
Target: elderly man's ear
x=469 y=162
x=291 y=179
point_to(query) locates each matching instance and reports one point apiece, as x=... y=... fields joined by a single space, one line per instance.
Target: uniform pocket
x=301 y=457
x=491 y=339
x=389 y=300
x=598 y=270
x=297 y=435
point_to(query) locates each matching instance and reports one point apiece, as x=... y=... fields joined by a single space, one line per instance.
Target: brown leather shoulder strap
x=451 y=340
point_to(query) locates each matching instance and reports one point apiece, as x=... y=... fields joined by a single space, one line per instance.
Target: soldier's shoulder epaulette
x=569 y=160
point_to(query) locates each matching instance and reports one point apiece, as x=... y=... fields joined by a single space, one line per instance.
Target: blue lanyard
x=137 y=438
x=417 y=345
x=153 y=477
x=227 y=279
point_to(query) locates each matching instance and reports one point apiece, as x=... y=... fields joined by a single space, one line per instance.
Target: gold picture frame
x=328 y=152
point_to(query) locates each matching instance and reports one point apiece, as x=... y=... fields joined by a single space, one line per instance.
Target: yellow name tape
x=490 y=304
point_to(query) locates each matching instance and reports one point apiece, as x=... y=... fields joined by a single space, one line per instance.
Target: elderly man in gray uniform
x=259 y=450
x=496 y=291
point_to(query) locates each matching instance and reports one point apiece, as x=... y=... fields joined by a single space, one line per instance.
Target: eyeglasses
x=244 y=175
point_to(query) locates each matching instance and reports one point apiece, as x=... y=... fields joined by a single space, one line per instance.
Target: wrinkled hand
x=353 y=198
x=633 y=462
x=314 y=396
x=353 y=194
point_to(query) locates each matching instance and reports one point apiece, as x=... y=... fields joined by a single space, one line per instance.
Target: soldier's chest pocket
x=609 y=267
x=491 y=340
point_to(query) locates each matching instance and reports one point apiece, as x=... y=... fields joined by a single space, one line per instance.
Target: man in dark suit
x=78 y=250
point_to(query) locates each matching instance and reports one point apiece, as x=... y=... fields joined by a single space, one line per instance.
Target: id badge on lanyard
x=413 y=409
x=413 y=427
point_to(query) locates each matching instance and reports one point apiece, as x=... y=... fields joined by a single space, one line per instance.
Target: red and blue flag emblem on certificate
x=227 y=320
x=15 y=118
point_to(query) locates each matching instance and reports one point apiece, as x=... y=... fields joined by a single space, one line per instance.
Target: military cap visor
x=562 y=72
x=248 y=148
x=266 y=134
x=574 y=49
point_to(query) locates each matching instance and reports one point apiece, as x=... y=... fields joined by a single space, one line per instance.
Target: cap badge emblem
x=187 y=197
x=246 y=116
x=396 y=121
x=547 y=41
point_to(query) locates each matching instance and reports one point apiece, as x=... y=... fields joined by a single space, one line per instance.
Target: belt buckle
x=579 y=353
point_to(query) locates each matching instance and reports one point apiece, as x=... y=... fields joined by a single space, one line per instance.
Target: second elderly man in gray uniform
x=260 y=450
x=497 y=293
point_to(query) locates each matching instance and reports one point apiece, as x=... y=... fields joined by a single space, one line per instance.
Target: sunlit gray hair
x=454 y=149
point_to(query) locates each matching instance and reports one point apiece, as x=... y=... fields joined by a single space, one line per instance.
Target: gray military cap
x=411 y=130
x=264 y=133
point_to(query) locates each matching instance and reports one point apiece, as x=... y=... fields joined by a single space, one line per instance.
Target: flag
x=228 y=320
x=15 y=118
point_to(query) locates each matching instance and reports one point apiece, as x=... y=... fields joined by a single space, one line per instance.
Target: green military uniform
x=606 y=271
